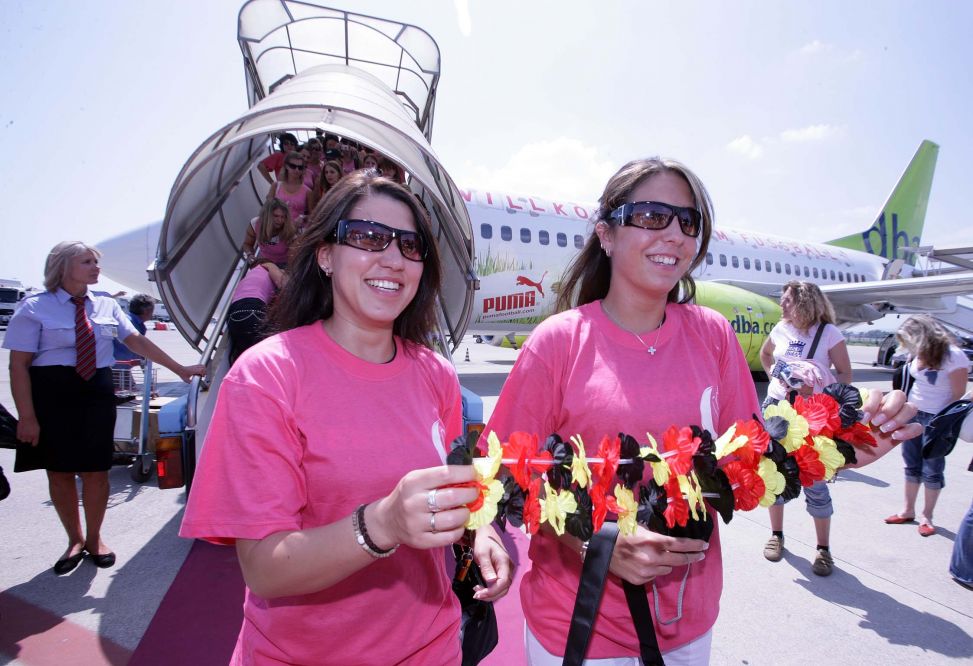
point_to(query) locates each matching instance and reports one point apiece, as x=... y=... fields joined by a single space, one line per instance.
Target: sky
x=799 y=117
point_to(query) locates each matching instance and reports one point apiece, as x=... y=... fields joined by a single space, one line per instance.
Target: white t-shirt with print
x=792 y=343
x=932 y=391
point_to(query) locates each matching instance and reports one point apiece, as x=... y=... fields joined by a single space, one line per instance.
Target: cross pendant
x=651 y=350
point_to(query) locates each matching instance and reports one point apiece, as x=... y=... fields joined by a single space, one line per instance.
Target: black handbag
x=479 y=624
x=28 y=457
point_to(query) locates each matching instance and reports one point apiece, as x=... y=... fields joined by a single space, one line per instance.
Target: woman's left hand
x=189 y=371
x=494 y=562
x=892 y=414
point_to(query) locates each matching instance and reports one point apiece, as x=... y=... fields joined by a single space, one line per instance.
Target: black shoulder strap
x=817 y=339
x=594 y=572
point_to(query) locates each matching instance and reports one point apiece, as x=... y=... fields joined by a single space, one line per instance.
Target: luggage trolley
x=135 y=386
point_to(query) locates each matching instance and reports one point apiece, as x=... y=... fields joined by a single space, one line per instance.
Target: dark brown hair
x=307 y=297
x=588 y=277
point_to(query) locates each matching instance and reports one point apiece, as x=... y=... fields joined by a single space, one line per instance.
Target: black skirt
x=76 y=417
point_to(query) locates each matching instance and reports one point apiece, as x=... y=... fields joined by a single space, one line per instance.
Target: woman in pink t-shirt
x=269 y=235
x=291 y=188
x=633 y=356
x=323 y=462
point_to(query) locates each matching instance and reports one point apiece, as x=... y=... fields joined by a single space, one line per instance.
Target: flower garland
x=526 y=483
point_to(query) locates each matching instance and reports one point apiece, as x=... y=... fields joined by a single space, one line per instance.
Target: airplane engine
x=752 y=316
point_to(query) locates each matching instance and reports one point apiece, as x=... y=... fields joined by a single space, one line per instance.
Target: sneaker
x=823 y=563
x=774 y=548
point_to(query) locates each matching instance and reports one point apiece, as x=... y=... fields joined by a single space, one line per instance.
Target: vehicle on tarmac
x=11 y=293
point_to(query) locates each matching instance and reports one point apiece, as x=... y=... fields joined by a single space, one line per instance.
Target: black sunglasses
x=296 y=167
x=376 y=237
x=656 y=216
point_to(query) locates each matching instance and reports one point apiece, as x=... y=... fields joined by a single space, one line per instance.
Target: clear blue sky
x=798 y=116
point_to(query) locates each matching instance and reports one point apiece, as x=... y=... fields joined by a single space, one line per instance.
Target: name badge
x=109 y=331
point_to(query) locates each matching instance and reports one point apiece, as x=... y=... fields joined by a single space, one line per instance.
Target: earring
x=608 y=250
x=327 y=270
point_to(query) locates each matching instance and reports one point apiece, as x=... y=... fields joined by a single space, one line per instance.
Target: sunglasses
x=376 y=237
x=657 y=216
x=296 y=167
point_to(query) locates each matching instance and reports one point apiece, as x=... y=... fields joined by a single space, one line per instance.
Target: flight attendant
x=60 y=343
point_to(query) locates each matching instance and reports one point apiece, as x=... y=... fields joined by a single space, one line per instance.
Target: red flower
x=532 y=507
x=858 y=434
x=599 y=507
x=522 y=447
x=677 y=509
x=609 y=449
x=821 y=412
x=747 y=485
x=757 y=440
x=810 y=465
x=681 y=441
x=481 y=488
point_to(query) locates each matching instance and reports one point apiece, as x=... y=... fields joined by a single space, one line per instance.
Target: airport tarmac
x=889 y=601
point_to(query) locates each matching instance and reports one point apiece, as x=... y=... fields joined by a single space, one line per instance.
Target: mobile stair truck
x=308 y=69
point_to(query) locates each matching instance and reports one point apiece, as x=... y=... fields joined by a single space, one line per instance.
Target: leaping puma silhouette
x=521 y=280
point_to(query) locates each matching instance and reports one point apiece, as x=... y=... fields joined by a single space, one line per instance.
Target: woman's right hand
x=29 y=430
x=404 y=516
x=644 y=555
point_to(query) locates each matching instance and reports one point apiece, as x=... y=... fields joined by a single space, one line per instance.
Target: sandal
x=897 y=519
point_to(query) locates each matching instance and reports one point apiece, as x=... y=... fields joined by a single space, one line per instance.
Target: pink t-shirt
x=296 y=202
x=255 y=284
x=579 y=373
x=276 y=250
x=303 y=432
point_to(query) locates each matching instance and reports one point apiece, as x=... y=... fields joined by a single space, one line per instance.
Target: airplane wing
x=867 y=301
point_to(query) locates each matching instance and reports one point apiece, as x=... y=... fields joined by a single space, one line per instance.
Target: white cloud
x=816 y=47
x=829 y=52
x=463 y=17
x=809 y=133
x=558 y=168
x=745 y=145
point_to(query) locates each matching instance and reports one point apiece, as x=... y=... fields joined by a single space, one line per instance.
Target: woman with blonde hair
x=939 y=371
x=61 y=353
x=270 y=234
x=291 y=188
x=805 y=338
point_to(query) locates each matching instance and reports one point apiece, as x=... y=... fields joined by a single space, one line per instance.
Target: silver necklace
x=658 y=330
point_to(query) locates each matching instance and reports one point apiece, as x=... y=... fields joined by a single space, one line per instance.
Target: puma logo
x=527 y=282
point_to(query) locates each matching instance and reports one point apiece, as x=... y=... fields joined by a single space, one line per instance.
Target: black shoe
x=68 y=564
x=103 y=561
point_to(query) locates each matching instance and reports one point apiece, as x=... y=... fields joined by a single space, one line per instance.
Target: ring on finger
x=431 y=501
x=432 y=522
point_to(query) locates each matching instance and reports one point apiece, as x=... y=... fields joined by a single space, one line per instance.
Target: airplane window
x=777 y=266
x=506 y=233
x=746 y=263
x=562 y=240
x=756 y=264
x=525 y=235
x=807 y=273
x=722 y=260
x=841 y=276
x=486 y=231
x=832 y=276
x=814 y=271
x=735 y=261
x=578 y=241
x=767 y=265
x=709 y=258
x=544 y=237
x=787 y=268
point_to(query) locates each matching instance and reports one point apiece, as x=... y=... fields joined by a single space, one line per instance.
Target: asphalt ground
x=889 y=601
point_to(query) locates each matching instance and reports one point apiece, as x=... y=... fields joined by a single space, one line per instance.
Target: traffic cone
x=467 y=359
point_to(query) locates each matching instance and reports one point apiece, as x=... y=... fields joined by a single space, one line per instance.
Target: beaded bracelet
x=583 y=551
x=361 y=535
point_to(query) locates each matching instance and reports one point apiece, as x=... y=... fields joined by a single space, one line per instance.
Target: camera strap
x=814 y=344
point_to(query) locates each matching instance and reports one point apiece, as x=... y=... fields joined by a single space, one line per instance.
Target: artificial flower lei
x=529 y=483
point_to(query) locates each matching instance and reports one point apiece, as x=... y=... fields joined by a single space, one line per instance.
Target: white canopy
x=219 y=189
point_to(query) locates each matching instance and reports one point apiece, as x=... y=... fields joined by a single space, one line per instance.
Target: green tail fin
x=899 y=224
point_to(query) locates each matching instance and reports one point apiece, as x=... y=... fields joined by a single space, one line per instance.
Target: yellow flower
x=627 y=510
x=797 y=428
x=689 y=486
x=580 y=473
x=555 y=507
x=774 y=481
x=863 y=392
x=660 y=470
x=829 y=455
x=488 y=510
x=728 y=442
x=487 y=468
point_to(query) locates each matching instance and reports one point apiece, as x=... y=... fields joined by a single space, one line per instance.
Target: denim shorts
x=930 y=471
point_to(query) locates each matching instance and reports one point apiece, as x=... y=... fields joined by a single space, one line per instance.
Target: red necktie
x=84 y=340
